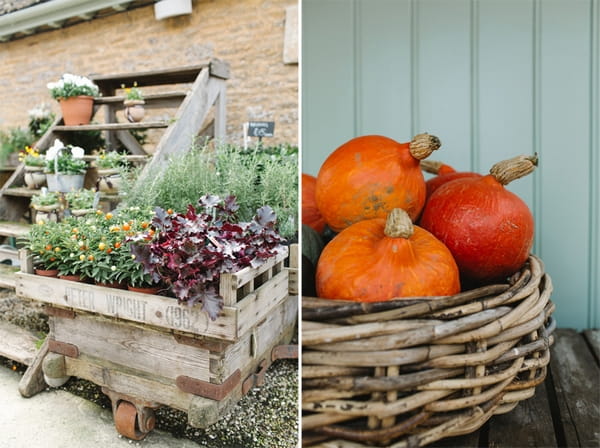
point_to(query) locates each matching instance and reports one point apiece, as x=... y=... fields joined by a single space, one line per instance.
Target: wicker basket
x=406 y=373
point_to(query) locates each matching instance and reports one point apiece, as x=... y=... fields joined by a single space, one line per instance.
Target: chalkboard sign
x=261 y=129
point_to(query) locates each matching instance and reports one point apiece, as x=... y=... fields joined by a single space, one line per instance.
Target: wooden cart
x=146 y=351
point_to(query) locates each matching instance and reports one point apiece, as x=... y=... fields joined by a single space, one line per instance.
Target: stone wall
x=249 y=34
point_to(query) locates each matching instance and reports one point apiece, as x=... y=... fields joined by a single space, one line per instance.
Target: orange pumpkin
x=378 y=259
x=369 y=176
x=488 y=229
x=311 y=216
x=444 y=173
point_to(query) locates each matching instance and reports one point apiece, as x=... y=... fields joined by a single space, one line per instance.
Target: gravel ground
x=265 y=418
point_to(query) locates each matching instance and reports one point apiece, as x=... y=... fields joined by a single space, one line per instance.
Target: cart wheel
x=126 y=421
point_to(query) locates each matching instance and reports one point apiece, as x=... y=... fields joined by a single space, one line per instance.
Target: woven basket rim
x=408 y=372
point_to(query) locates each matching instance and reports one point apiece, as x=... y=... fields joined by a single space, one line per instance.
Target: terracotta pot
x=145 y=290
x=72 y=278
x=134 y=110
x=47 y=272
x=34 y=177
x=77 y=110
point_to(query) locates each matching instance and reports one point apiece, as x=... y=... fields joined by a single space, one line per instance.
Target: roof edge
x=52 y=14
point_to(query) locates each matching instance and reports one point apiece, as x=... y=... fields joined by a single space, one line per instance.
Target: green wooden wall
x=492 y=79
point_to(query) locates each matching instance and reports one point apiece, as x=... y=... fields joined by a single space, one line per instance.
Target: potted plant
x=46 y=201
x=189 y=251
x=134 y=103
x=75 y=95
x=65 y=167
x=110 y=166
x=40 y=119
x=103 y=255
x=44 y=242
x=81 y=202
x=34 y=164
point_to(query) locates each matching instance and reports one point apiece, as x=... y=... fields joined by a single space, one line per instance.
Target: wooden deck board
x=17 y=344
x=7 y=276
x=565 y=410
x=13 y=229
x=576 y=381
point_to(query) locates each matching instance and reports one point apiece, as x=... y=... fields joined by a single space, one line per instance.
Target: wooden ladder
x=203 y=90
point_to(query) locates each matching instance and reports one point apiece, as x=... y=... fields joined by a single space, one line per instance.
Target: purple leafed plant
x=190 y=251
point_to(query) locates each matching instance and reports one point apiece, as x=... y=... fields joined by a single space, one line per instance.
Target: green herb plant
x=253 y=177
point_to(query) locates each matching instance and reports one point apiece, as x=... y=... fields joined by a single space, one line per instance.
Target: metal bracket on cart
x=258 y=378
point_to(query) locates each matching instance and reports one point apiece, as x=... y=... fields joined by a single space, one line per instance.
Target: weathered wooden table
x=565 y=411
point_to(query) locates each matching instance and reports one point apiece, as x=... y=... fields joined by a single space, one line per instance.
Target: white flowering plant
x=65 y=159
x=72 y=85
x=40 y=119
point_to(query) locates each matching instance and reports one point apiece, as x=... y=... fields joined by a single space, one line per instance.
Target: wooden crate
x=150 y=351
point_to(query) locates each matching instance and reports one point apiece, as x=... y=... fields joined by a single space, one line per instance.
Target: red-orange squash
x=311 y=216
x=443 y=173
x=369 y=176
x=488 y=229
x=382 y=259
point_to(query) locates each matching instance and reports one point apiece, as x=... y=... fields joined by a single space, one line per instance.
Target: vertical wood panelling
x=505 y=88
x=328 y=88
x=492 y=78
x=444 y=77
x=565 y=121
x=385 y=105
x=594 y=157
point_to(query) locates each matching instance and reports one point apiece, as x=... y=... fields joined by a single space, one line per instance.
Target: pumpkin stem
x=398 y=224
x=432 y=166
x=422 y=145
x=512 y=169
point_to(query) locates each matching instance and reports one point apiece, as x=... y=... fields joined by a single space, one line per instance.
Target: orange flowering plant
x=92 y=246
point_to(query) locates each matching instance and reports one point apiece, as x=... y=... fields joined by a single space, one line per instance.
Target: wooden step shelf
x=196 y=92
x=24 y=192
x=18 y=344
x=152 y=100
x=13 y=229
x=7 y=276
x=178 y=75
x=112 y=126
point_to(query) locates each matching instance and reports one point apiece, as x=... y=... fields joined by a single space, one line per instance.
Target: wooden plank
x=139 y=347
x=118 y=380
x=153 y=310
x=9 y=253
x=527 y=425
x=33 y=381
x=130 y=142
x=257 y=344
x=576 y=380
x=220 y=121
x=175 y=75
x=467 y=441
x=113 y=126
x=20 y=192
x=17 y=344
x=243 y=276
x=593 y=339
x=152 y=100
x=188 y=120
x=255 y=307
x=13 y=229
x=7 y=276
x=25 y=192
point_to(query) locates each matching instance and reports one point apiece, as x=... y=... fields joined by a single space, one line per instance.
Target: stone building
x=41 y=40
